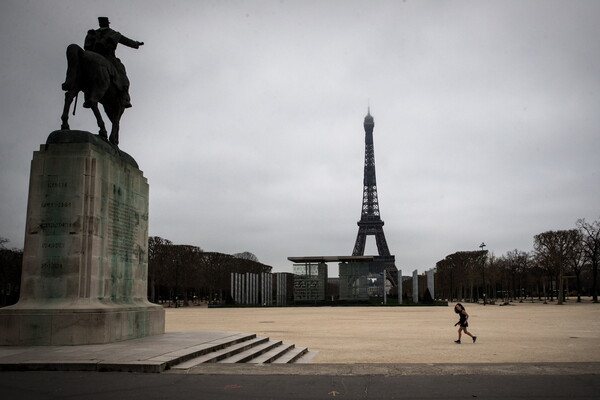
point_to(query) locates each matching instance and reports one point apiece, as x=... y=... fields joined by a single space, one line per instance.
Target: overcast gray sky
x=247 y=119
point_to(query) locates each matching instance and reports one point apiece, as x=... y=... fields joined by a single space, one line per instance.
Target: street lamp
x=481 y=246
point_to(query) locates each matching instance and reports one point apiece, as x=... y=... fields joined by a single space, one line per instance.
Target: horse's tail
x=74 y=53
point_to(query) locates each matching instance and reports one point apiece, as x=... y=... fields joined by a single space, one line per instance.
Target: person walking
x=462 y=323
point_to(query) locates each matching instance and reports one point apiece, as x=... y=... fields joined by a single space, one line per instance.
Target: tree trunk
x=578 y=286
x=561 y=295
x=544 y=289
x=153 y=290
x=514 y=289
x=595 y=282
x=471 y=292
x=186 y=302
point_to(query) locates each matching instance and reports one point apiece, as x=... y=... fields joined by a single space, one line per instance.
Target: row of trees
x=10 y=273
x=558 y=258
x=173 y=271
x=185 y=272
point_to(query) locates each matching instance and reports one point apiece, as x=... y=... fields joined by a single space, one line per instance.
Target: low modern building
x=354 y=271
x=310 y=281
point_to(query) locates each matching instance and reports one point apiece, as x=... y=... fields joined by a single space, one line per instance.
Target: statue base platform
x=85 y=259
x=78 y=325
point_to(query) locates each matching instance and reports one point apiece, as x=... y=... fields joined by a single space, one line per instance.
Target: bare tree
x=246 y=255
x=184 y=270
x=555 y=250
x=443 y=279
x=159 y=262
x=494 y=270
x=536 y=275
x=187 y=259
x=459 y=274
x=217 y=269
x=591 y=250
x=11 y=261
x=577 y=265
x=516 y=263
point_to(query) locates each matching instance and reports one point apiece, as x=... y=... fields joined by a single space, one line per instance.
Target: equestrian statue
x=100 y=75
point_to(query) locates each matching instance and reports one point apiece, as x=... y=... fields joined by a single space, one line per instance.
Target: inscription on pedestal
x=56 y=228
x=51 y=267
x=124 y=228
x=57 y=185
x=55 y=211
x=55 y=206
x=53 y=245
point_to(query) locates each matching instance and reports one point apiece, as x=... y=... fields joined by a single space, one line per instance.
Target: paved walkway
x=519 y=333
x=532 y=351
x=537 y=339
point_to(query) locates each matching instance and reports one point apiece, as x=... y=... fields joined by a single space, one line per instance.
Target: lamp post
x=481 y=246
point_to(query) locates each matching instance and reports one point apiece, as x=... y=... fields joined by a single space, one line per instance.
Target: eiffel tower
x=370 y=220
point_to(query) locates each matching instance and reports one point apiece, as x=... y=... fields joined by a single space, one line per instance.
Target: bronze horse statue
x=94 y=75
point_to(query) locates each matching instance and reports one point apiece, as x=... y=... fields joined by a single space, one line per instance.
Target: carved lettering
x=51 y=268
x=57 y=185
x=54 y=225
x=124 y=226
x=56 y=204
x=53 y=245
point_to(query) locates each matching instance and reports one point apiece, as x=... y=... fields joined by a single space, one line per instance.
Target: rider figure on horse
x=99 y=74
x=104 y=41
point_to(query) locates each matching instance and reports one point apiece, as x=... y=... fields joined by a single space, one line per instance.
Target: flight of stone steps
x=248 y=348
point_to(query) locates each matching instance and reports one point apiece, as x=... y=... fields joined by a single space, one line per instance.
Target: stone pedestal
x=85 y=259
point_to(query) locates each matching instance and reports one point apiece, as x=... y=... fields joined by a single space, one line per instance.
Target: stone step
x=187 y=353
x=291 y=356
x=251 y=353
x=272 y=354
x=306 y=357
x=218 y=355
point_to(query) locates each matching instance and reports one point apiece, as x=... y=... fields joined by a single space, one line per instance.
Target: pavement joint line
x=412 y=369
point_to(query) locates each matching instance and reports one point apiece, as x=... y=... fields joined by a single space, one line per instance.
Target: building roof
x=310 y=259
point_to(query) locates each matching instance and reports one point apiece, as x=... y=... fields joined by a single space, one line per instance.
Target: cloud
x=247 y=119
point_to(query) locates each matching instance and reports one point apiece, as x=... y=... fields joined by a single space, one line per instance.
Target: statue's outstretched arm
x=130 y=43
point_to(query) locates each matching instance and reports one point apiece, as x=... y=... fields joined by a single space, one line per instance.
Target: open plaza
x=517 y=333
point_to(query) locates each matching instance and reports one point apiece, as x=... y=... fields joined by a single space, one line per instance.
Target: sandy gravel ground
x=522 y=332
